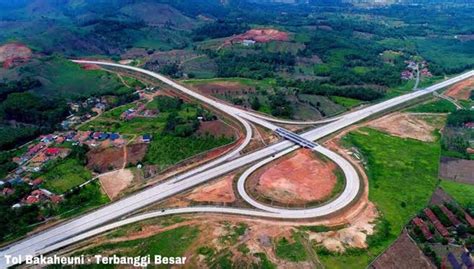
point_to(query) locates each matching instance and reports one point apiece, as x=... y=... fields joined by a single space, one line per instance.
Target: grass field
x=400 y=184
x=166 y=150
x=64 y=175
x=345 y=101
x=437 y=106
x=61 y=77
x=89 y=197
x=171 y=243
x=462 y=193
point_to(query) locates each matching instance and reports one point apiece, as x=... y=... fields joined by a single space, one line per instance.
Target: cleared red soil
x=136 y=152
x=14 y=52
x=461 y=90
x=297 y=179
x=261 y=35
x=105 y=160
x=218 y=192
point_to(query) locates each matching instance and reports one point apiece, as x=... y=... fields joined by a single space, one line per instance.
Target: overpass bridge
x=295 y=138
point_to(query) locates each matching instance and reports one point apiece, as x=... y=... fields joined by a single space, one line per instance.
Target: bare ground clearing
x=115 y=182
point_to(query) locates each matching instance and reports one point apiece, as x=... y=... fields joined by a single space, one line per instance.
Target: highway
x=41 y=242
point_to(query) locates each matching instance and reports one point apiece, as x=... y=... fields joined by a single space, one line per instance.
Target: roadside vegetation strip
x=434 y=106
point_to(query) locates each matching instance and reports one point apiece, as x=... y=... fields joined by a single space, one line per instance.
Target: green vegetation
x=233 y=233
x=64 y=175
x=400 y=184
x=456 y=138
x=80 y=200
x=460 y=117
x=172 y=117
x=462 y=193
x=61 y=175
x=166 y=150
x=171 y=243
x=265 y=263
x=68 y=80
x=346 y=102
x=291 y=251
x=438 y=106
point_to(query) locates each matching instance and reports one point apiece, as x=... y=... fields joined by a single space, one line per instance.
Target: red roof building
x=439 y=227
x=31 y=200
x=56 y=199
x=52 y=151
x=34 y=149
x=37 y=181
x=423 y=227
x=469 y=125
x=450 y=216
x=7 y=191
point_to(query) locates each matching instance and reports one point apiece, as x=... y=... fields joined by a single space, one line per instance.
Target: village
x=444 y=232
x=47 y=149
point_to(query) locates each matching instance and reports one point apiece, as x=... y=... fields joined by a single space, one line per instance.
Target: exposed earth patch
x=296 y=179
x=14 y=52
x=420 y=127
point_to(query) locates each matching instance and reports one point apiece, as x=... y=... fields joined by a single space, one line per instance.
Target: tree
x=255 y=103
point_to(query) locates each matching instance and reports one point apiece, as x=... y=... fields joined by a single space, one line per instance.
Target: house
x=248 y=42
x=70 y=136
x=15 y=181
x=96 y=135
x=37 y=182
x=439 y=227
x=423 y=227
x=103 y=136
x=146 y=138
x=7 y=191
x=35 y=148
x=31 y=200
x=60 y=139
x=452 y=218
x=100 y=106
x=114 y=136
x=56 y=199
x=46 y=192
x=52 y=151
x=406 y=75
x=48 y=138
x=469 y=125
